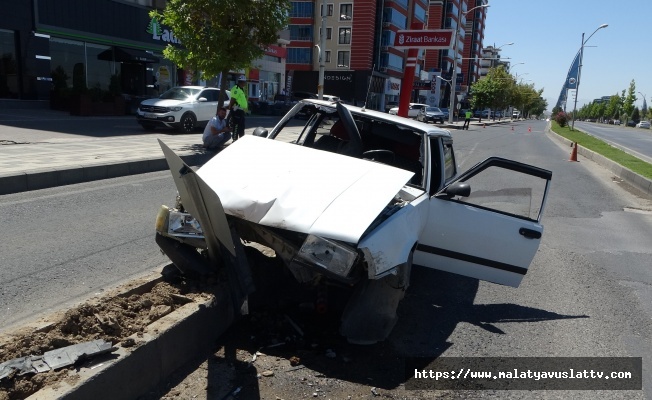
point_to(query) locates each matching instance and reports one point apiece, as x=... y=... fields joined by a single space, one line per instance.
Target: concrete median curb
x=53 y=177
x=166 y=345
x=638 y=182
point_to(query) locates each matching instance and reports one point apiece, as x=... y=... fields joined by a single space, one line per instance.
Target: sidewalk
x=25 y=167
x=58 y=162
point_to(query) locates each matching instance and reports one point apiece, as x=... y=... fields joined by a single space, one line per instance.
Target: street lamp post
x=450 y=87
x=644 y=109
x=454 y=79
x=579 y=71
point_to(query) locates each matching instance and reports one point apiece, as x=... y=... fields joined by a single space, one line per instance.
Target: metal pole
x=322 y=51
x=454 y=78
x=577 y=88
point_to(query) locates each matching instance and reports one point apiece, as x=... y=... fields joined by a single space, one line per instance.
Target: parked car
x=631 y=123
x=481 y=114
x=516 y=114
x=498 y=114
x=182 y=107
x=390 y=104
x=445 y=111
x=413 y=109
x=643 y=124
x=352 y=203
x=428 y=114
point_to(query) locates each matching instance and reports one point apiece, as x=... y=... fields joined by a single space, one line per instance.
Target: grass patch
x=626 y=160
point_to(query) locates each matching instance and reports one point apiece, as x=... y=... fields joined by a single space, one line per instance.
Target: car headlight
x=183 y=225
x=176 y=108
x=328 y=254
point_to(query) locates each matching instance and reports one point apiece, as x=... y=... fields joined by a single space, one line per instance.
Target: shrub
x=561 y=118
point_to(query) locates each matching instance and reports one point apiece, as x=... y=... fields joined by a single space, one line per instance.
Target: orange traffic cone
x=529 y=129
x=573 y=155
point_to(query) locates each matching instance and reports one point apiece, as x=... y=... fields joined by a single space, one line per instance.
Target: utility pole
x=322 y=51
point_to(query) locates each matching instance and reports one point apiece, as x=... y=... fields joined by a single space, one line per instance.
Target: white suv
x=182 y=107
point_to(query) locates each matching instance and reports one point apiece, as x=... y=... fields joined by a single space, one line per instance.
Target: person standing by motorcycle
x=239 y=107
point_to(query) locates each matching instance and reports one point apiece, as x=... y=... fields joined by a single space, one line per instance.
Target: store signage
x=276 y=51
x=422 y=85
x=161 y=34
x=424 y=39
x=338 y=77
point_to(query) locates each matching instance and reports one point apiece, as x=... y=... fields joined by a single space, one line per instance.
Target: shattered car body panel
x=300 y=189
x=355 y=200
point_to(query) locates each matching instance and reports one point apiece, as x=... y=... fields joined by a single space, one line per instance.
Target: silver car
x=428 y=114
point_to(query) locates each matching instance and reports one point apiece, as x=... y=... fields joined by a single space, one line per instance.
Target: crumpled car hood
x=287 y=186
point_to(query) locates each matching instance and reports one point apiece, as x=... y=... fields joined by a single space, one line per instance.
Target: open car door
x=486 y=223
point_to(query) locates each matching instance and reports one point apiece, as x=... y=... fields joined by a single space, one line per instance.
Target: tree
x=613 y=107
x=629 y=99
x=636 y=115
x=218 y=36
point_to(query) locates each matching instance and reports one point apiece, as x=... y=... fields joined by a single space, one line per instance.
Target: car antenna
x=371 y=77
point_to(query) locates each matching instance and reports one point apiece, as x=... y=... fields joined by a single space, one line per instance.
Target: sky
x=548 y=34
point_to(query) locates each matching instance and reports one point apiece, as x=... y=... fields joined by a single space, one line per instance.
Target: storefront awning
x=123 y=54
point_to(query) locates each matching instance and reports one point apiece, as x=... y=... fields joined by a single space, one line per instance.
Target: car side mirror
x=260 y=132
x=202 y=99
x=462 y=189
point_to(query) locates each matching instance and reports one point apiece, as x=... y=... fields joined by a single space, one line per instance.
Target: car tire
x=187 y=123
x=148 y=127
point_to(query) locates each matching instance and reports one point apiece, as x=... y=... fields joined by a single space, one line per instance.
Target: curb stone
x=167 y=344
x=639 y=182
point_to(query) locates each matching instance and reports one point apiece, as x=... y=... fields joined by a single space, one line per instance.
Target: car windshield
x=179 y=93
x=433 y=109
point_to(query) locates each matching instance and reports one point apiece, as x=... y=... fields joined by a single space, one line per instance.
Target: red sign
x=276 y=51
x=424 y=39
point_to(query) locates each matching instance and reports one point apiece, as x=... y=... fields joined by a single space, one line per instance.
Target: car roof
x=430 y=130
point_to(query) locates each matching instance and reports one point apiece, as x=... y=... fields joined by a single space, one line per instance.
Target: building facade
x=48 y=44
x=360 y=61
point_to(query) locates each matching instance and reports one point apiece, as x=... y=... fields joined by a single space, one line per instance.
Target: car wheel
x=149 y=127
x=187 y=123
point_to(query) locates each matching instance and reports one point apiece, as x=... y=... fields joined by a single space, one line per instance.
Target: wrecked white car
x=356 y=199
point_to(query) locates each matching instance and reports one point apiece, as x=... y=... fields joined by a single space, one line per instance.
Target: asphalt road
x=635 y=141
x=588 y=292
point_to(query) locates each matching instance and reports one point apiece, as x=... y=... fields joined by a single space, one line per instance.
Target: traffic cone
x=573 y=155
x=484 y=125
x=529 y=129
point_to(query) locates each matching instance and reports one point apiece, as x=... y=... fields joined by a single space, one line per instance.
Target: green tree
x=219 y=36
x=612 y=109
x=629 y=99
x=636 y=115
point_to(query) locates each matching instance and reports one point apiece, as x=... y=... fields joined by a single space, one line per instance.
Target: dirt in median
x=112 y=318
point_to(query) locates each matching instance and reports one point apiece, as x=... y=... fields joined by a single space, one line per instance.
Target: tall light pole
x=513 y=66
x=579 y=71
x=644 y=109
x=322 y=51
x=454 y=79
x=450 y=89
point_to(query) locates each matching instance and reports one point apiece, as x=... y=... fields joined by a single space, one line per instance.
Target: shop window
x=98 y=72
x=8 y=66
x=66 y=54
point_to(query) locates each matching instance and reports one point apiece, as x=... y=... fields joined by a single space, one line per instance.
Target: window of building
x=329 y=10
x=395 y=17
x=328 y=56
x=299 y=55
x=402 y=3
x=343 y=59
x=420 y=13
x=387 y=38
x=329 y=33
x=8 y=66
x=302 y=9
x=346 y=12
x=391 y=61
x=345 y=36
x=301 y=32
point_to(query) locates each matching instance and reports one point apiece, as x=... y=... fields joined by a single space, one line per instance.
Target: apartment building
x=467 y=18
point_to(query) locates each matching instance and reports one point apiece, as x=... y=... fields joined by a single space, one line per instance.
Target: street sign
x=424 y=39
